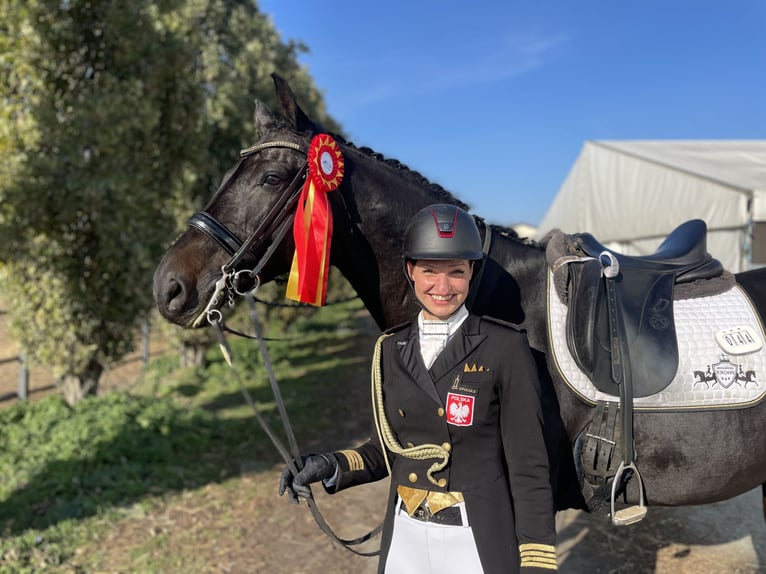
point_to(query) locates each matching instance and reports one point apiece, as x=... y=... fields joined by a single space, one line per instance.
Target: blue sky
x=494 y=100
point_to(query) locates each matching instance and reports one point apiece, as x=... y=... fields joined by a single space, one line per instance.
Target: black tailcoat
x=481 y=400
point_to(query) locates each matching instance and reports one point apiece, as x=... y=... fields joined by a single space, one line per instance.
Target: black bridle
x=274 y=227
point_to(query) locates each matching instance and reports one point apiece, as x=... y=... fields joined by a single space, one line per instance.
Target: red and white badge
x=459 y=410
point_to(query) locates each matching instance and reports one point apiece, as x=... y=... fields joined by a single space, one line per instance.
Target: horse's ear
x=263 y=119
x=289 y=108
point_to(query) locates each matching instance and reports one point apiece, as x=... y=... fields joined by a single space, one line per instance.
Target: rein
x=294 y=462
x=276 y=224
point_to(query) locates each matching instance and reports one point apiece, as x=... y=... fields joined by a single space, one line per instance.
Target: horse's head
x=243 y=226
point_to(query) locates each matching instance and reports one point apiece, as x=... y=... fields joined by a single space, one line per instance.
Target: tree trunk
x=75 y=388
x=193 y=354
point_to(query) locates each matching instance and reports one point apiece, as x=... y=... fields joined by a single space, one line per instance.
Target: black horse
x=685 y=458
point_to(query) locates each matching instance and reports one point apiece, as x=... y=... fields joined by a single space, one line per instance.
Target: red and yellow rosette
x=312 y=228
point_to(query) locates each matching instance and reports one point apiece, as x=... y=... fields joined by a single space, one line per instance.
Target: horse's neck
x=513 y=287
x=375 y=205
x=374 y=275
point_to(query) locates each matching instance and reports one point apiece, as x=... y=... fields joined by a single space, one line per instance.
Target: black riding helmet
x=442 y=231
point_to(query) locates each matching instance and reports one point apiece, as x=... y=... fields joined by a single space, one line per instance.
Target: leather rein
x=275 y=225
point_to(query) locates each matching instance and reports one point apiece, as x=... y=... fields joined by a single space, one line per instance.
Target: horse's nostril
x=175 y=295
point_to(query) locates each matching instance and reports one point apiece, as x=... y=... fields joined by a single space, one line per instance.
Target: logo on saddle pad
x=724 y=373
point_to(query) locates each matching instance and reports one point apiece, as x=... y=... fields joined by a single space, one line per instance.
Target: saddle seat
x=641 y=299
x=684 y=251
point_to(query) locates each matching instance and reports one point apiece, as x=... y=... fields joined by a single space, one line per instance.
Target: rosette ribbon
x=312 y=227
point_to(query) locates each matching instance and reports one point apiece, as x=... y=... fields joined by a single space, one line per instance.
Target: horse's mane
x=419 y=179
x=416 y=177
x=409 y=173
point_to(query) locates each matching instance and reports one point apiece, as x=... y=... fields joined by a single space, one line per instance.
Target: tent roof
x=631 y=194
x=733 y=163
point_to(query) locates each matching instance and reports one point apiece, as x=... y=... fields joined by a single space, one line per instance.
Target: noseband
x=274 y=225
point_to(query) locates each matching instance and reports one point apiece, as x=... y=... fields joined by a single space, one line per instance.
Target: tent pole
x=747 y=240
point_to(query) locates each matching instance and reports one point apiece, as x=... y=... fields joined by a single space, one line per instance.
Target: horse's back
x=754 y=283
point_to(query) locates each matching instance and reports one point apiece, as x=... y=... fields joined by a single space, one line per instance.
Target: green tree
x=116 y=121
x=99 y=114
x=239 y=50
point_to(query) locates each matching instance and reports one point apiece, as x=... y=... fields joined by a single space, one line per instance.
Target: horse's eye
x=272 y=179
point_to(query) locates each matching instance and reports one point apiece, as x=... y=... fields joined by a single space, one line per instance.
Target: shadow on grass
x=113 y=451
x=158 y=448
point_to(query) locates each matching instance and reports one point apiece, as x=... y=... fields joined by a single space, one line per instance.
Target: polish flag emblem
x=459 y=410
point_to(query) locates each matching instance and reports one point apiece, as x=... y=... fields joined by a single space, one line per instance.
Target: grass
x=70 y=473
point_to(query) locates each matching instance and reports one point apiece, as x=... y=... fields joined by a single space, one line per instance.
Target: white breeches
x=428 y=548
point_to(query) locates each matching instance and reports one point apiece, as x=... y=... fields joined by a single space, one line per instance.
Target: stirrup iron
x=632 y=514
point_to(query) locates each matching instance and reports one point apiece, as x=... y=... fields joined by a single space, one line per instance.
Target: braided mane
x=414 y=176
x=422 y=181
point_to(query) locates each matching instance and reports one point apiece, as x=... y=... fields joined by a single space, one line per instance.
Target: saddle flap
x=645 y=305
x=652 y=346
x=585 y=289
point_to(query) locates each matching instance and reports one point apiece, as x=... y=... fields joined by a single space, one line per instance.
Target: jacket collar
x=459 y=347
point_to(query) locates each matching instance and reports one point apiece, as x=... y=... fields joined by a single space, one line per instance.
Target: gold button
x=447 y=446
x=413 y=477
x=442 y=482
x=410 y=445
x=440 y=412
x=401 y=413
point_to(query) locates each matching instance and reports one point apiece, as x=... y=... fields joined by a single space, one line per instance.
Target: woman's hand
x=316 y=467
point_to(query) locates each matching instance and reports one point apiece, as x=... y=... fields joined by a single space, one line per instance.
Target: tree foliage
x=239 y=50
x=117 y=119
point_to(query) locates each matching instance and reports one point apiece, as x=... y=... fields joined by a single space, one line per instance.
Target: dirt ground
x=257 y=531
x=243 y=527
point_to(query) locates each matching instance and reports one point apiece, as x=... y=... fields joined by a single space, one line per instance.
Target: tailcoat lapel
x=460 y=346
x=412 y=361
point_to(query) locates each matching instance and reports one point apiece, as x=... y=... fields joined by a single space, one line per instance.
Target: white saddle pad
x=722 y=358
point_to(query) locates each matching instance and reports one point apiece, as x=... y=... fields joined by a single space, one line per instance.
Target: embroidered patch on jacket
x=456 y=386
x=460 y=410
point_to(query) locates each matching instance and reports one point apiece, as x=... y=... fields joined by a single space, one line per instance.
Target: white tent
x=631 y=194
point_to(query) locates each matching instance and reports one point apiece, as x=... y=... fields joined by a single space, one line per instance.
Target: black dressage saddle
x=620 y=312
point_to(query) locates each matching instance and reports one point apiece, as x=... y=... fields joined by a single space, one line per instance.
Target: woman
x=459 y=424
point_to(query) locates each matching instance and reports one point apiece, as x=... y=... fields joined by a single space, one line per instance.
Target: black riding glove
x=316 y=467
